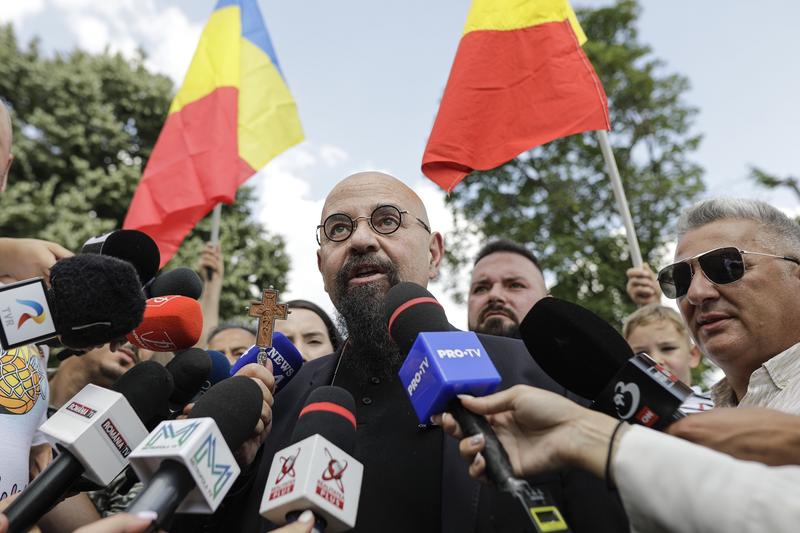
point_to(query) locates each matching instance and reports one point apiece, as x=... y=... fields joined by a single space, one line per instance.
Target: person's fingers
x=304 y=524
x=471 y=446
x=449 y=425
x=477 y=467
x=494 y=403
x=120 y=523
x=260 y=374
x=57 y=250
x=3 y=523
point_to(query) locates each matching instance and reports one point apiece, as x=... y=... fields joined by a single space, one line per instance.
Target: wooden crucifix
x=268 y=310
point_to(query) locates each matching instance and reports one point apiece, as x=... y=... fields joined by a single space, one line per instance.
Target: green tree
x=84 y=126
x=770 y=181
x=557 y=198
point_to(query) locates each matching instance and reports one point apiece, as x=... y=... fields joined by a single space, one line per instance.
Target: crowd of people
x=731 y=464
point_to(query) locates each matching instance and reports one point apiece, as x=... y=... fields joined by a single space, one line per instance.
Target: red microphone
x=170 y=323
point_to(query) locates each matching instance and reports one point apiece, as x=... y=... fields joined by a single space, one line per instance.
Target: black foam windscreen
x=410 y=309
x=130 y=245
x=94 y=299
x=147 y=387
x=190 y=370
x=330 y=412
x=235 y=405
x=181 y=281
x=574 y=346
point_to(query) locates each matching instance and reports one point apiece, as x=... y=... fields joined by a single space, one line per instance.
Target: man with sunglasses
x=737 y=281
x=374 y=233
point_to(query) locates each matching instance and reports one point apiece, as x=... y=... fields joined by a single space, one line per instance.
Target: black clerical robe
x=415 y=480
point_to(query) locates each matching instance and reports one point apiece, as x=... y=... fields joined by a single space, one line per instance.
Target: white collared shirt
x=775 y=384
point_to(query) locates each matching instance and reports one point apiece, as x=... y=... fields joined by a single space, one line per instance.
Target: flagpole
x=619 y=194
x=216 y=219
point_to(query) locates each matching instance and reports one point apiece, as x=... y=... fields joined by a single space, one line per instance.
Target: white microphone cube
x=196 y=443
x=100 y=428
x=314 y=474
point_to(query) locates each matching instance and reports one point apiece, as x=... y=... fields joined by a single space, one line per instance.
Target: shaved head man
x=373 y=233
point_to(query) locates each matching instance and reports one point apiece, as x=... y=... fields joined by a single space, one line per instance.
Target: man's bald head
x=5 y=144
x=369 y=181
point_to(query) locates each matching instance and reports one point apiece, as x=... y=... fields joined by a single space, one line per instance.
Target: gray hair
x=783 y=230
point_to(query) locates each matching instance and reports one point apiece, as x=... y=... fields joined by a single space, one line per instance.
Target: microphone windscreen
x=190 y=370
x=220 y=366
x=410 y=309
x=181 y=281
x=235 y=405
x=330 y=412
x=130 y=245
x=147 y=386
x=94 y=299
x=170 y=323
x=574 y=346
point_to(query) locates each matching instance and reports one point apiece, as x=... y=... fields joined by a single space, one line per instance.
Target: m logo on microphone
x=168 y=437
x=220 y=471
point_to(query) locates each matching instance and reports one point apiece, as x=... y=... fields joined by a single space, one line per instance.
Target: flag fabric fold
x=519 y=79
x=233 y=114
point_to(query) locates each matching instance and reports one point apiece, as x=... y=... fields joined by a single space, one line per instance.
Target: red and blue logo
x=38 y=309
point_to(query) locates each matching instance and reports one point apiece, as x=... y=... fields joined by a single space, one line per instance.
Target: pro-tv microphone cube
x=197 y=444
x=100 y=428
x=441 y=365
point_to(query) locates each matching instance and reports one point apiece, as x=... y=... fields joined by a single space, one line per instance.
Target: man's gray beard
x=498 y=326
x=370 y=352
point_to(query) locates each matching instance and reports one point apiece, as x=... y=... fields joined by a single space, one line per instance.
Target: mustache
x=497 y=307
x=370 y=261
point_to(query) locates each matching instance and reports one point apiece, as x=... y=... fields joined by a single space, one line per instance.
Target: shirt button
x=375 y=380
x=366 y=400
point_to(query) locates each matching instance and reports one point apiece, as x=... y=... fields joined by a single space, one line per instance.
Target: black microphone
x=191 y=370
x=317 y=470
x=187 y=457
x=442 y=363
x=130 y=245
x=95 y=431
x=587 y=356
x=181 y=281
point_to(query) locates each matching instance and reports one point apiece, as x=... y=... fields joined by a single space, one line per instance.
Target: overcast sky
x=368 y=75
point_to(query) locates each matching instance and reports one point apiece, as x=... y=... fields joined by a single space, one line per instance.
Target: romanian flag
x=519 y=79
x=232 y=115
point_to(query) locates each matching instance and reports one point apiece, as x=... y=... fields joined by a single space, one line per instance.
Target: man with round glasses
x=737 y=281
x=374 y=233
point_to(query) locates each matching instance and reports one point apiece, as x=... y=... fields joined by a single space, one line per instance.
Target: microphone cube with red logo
x=441 y=365
x=198 y=445
x=314 y=474
x=100 y=428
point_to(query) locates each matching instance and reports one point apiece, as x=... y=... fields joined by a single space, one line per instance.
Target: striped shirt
x=775 y=384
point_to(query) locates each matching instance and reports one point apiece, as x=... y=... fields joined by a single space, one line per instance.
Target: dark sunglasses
x=719 y=266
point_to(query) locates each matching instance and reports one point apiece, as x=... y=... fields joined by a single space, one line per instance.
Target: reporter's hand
x=642 y=286
x=29 y=258
x=539 y=430
x=750 y=433
x=120 y=523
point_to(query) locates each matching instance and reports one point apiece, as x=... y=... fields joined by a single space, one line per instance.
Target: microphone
x=444 y=363
x=286 y=360
x=93 y=299
x=220 y=366
x=181 y=281
x=191 y=370
x=170 y=323
x=187 y=465
x=130 y=245
x=586 y=355
x=318 y=471
x=95 y=432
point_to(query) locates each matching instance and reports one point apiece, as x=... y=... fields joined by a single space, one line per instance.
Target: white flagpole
x=216 y=218
x=619 y=194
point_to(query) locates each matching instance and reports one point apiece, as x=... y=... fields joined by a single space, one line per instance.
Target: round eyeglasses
x=385 y=220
